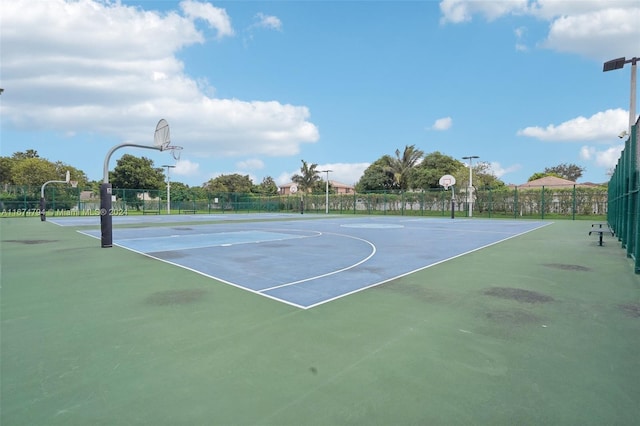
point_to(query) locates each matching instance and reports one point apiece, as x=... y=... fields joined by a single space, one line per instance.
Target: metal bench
x=600 y=230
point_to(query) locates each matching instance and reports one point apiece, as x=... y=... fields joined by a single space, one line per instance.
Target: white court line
x=424 y=267
x=337 y=271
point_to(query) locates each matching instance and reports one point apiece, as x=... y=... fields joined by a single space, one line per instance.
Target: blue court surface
x=306 y=263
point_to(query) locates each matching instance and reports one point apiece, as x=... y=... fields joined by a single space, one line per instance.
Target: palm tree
x=402 y=166
x=308 y=178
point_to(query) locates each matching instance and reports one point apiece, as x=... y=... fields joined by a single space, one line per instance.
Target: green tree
x=402 y=167
x=75 y=174
x=267 y=187
x=35 y=171
x=133 y=172
x=377 y=177
x=197 y=193
x=571 y=172
x=229 y=183
x=308 y=178
x=179 y=192
x=30 y=153
x=483 y=177
x=433 y=166
x=540 y=175
x=6 y=165
x=138 y=175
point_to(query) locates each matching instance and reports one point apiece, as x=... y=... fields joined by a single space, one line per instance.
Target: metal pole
x=43 y=214
x=632 y=98
x=326 y=200
x=168 y=188
x=470 y=188
x=469 y=194
x=616 y=64
x=106 y=211
x=326 y=210
x=632 y=113
x=453 y=203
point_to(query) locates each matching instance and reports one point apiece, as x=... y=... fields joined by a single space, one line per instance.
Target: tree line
x=409 y=169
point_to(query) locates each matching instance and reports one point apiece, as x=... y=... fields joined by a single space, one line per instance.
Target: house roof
x=548 y=181
x=332 y=182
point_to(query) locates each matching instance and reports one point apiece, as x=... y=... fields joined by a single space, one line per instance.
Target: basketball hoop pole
x=106 y=208
x=43 y=212
x=449 y=181
x=453 y=203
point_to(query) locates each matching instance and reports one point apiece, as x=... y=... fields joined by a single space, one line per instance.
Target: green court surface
x=542 y=329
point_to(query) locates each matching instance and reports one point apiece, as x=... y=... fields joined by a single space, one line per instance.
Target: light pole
x=168 y=187
x=326 y=190
x=616 y=64
x=469 y=194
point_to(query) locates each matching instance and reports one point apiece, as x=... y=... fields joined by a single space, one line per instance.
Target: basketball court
x=310 y=262
x=487 y=322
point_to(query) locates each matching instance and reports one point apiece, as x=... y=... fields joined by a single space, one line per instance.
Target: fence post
x=574 y=203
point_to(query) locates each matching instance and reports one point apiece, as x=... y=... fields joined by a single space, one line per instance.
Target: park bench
x=188 y=211
x=600 y=229
x=150 y=212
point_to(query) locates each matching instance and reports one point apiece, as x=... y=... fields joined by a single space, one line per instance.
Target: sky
x=254 y=87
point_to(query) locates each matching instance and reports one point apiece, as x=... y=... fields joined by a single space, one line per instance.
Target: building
x=556 y=182
x=335 y=188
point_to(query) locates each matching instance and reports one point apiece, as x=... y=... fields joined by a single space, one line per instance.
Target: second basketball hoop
x=447 y=181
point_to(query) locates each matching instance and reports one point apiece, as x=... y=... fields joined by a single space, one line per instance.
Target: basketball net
x=175 y=151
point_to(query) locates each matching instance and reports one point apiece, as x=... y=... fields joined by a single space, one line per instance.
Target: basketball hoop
x=446 y=181
x=73 y=183
x=175 y=151
x=162 y=137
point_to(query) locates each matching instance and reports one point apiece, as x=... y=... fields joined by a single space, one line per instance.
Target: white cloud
x=268 y=22
x=607 y=158
x=602 y=126
x=106 y=68
x=519 y=33
x=499 y=171
x=601 y=34
x=284 y=178
x=216 y=18
x=347 y=173
x=599 y=29
x=549 y=9
x=442 y=123
x=186 y=168
x=457 y=11
x=250 y=164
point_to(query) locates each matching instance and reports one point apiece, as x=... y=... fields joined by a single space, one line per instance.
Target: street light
x=469 y=194
x=326 y=190
x=616 y=64
x=168 y=187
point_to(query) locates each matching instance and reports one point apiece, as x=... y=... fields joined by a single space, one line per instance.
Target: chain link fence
x=509 y=202
x=624 y=197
